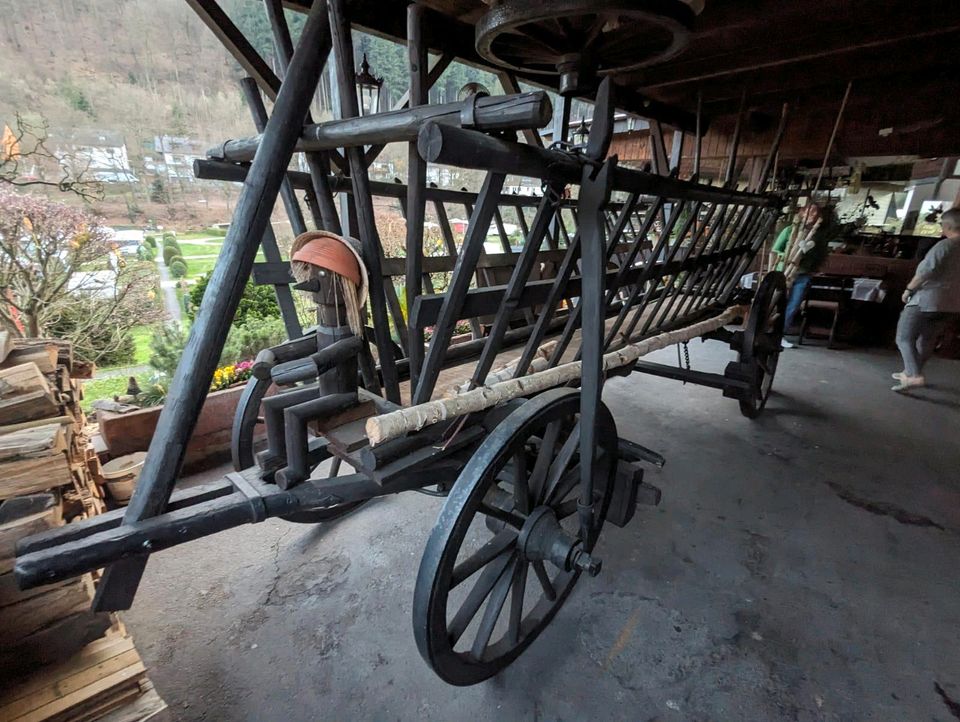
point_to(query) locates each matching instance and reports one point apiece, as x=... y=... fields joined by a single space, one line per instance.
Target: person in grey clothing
x=932 y=296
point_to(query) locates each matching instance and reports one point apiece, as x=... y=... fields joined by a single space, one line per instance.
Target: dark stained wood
x=208 y=334
x=362 y=198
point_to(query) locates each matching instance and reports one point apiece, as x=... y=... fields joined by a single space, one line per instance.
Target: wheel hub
x=543 y=539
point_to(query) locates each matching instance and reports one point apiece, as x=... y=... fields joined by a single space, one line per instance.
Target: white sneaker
x=785 y=344
x=909 y=382
x=899 y=375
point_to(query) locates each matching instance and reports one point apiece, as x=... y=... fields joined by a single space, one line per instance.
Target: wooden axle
x=491 y=113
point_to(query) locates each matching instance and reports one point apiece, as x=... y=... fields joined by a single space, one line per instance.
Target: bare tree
x=26 y=160
x=60 y=274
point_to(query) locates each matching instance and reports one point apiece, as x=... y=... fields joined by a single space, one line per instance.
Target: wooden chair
x=821 y=308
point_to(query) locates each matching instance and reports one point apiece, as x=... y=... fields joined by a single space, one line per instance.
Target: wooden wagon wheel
x=762 y=335
x=581 y=38
x=512 y=511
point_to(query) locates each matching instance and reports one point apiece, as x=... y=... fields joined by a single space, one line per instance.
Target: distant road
x=167 y=288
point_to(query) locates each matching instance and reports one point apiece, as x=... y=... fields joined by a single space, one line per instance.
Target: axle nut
x=585 y=563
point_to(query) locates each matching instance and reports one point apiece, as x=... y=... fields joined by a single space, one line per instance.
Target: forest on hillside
x=147 y=68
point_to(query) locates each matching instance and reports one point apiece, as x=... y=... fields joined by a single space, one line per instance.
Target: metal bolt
x=585 y=563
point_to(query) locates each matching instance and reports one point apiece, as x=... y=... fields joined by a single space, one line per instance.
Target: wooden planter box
x=209 y=445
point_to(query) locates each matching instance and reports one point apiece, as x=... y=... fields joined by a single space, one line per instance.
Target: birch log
x=397 y=423
x=540 y=362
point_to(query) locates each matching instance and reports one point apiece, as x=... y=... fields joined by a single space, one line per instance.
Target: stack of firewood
x=49 y=475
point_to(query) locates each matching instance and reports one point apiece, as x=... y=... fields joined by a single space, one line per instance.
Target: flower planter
x=209 y=445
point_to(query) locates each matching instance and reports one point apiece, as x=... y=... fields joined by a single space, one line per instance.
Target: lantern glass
x=368 y=89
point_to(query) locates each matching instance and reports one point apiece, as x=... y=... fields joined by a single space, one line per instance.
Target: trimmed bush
x=178 y=269
x=247 y=339
x=169 y=236
x=150 y=241
x=145 y=253
x=256 y=302
x=169 y=253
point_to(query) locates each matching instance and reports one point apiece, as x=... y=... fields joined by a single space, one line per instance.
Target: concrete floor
x=801 y=567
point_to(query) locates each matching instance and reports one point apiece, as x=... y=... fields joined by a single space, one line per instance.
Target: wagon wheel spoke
x=481 y=590
x=594 y=32
x=545 y=582
x=521 y=491
x=568 y=482
x=527 y=48
x=494 y=606
x=566 y=509
x=544 y=458
x=540 y=36
x=482 y=556
x=561 y=462
x=516 y=603
x=507 y=517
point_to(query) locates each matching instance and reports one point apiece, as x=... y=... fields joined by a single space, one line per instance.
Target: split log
x=397 y=423
x=64 y=420
x=45 y=357
x=23 y=517
x=6 y=345
x=83 y=369
x=55 y=642
x=30 y=614
x=63 y=347
x=34 y=459
x=25 y=395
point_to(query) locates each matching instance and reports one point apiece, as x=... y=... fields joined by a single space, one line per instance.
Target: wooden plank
x=148 y=705
x=99 y=650
x=48 y=687
x=95 y=708
x=100 y=686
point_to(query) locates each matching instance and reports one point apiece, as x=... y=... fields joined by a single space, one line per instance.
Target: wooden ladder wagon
x=524 y=450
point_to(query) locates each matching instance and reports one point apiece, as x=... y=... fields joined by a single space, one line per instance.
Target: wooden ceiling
x=902 y=58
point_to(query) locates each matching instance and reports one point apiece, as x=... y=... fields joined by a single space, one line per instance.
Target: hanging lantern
x=368 y=89
x=581 y=133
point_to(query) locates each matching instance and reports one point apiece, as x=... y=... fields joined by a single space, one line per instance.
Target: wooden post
x=288 y=310
x=416 y=185
x=316 y=163
x=191 y=381
x=362 y=200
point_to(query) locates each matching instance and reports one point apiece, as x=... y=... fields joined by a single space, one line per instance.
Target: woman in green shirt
x=818 y=227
